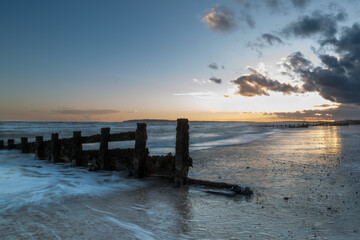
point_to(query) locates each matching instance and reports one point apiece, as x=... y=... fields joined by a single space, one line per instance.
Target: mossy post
x=39 y=147
x=55 y=148
x=24 y=145
x=11 y=144
x=2 y=144
x=140 y=155
x=76 y=149
x=104 y=160
x=182 y=158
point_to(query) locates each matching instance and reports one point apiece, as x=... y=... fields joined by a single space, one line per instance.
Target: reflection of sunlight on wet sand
x=323 y=144
x=329 y=140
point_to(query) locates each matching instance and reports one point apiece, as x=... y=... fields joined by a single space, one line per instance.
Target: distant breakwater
x=320 y=123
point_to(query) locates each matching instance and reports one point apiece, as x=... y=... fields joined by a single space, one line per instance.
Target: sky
x=238 y=60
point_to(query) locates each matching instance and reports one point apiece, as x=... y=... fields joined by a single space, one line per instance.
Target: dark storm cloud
x=213 y=66
x=325 y=26
x=256 y=84
x=300 y=3
x=273 y=4
x=337 y=79
x=317 y=23
x=215 y=80
x=220 y=18
x=345 y=111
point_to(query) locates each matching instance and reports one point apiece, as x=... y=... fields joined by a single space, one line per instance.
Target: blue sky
x=118 y=60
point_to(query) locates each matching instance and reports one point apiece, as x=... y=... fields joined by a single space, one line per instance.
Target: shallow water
x=317 y=169
x=161 y=135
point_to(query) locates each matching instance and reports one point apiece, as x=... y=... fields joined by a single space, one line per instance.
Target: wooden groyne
x=297 y=125
x=136 y=161
x=307 y=124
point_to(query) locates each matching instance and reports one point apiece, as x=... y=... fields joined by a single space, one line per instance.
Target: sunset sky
x=246 y=60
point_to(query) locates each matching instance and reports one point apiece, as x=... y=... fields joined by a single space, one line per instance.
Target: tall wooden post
x=11 y=144
x=104 y=160
x=24 y=145
x=2 y=144
x=55 y=148
x=77 y=149
x=182 y=158
x=39 y=147
x=139 y=164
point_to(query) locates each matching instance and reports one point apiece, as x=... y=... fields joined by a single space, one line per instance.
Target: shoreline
x=303 y=189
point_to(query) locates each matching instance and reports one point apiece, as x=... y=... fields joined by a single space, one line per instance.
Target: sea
x=39 y=200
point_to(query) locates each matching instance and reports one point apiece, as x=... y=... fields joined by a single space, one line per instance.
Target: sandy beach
x=306 y=186
x=306 y=182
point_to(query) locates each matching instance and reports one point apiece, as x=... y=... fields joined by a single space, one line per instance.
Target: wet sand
x=306 y=184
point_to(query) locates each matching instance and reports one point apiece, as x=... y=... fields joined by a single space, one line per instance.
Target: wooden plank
x=233 y=187
x=123 y=136
x=91 y=139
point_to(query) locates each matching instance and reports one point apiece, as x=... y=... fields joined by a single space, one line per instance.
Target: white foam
x=25 y=181
x=135 y=230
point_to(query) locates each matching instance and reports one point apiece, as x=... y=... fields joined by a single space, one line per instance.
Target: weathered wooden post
x=24 y=145
x=55 y=148
x=104 y=160
x=2 y=144
x=139 y=164
x=76 y=149
x=182 y=158
x=39 y=147
x=11 y=144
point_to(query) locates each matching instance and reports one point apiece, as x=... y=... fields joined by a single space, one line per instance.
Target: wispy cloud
x=87 y=111
x=326 y=106
x=200 y=95
x=265 y=40
x=199 y=81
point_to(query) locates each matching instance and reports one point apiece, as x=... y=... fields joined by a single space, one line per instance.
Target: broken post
x=55 y=148
x=182 y=158
x=24 y=145
x=11 y=144
x=39 y=147
x=140 y=155
x=77 y=149
x=2 y=144
x=104 y=160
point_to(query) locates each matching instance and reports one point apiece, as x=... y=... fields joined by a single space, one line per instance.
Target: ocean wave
x=25 y=181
